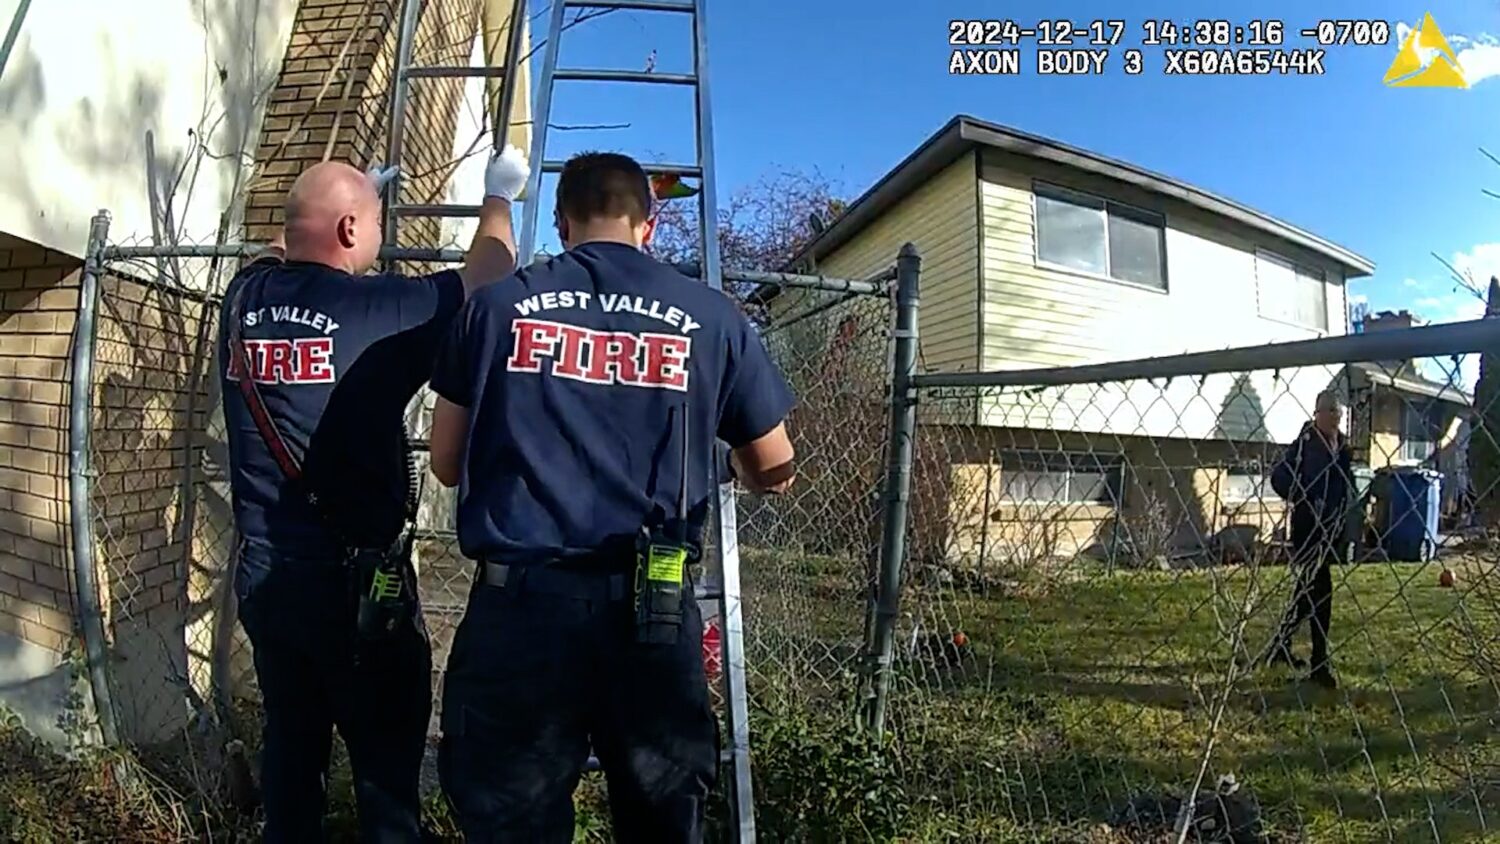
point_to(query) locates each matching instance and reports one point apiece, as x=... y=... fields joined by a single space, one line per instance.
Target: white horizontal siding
x=1036 y=316
x=941 y=218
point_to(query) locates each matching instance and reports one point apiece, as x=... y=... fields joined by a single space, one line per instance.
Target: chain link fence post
x=80 y=479
x=903 y=427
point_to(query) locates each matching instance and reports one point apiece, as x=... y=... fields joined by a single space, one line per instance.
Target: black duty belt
x=548 y=580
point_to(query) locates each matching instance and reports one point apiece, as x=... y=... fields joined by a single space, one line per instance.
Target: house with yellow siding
x=1038 y=254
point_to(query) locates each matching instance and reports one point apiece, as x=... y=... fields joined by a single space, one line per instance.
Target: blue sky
x=850 y=88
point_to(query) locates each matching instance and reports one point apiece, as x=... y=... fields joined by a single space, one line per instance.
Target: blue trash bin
x=1410 y=514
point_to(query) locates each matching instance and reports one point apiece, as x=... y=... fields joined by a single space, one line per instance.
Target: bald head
x=333 y=218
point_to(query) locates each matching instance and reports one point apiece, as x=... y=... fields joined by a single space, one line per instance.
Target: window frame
x=1041 y=189
x=1433 y=428
x=1264 y=493
x=1298 y=269
x=1110 y=468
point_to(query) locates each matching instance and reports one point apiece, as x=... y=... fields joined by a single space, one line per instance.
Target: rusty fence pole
x=903 y=429
x=81 y=478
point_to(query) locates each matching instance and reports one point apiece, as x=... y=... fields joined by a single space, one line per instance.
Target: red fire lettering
x=666 y=355
x=305 y=361
x=601 y=357
x=277 y=365
x=574 y=341
x=314 y=360
x=534 y=338
x=615 y=364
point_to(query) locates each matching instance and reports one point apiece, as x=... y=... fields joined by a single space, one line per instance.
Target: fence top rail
x=1452 y=338
x=873 y=285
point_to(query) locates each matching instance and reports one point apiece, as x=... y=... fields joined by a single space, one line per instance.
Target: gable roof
x=964 y=133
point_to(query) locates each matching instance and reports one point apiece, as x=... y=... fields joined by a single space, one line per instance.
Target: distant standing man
x=321 y=476
x=565 y=394
x=1314 y=478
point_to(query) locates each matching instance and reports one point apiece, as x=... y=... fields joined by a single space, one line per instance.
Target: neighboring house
x=1401 y=417
x=1037 y=254
x=177 y=118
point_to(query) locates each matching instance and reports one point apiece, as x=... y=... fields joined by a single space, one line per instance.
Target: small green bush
x=821 y=778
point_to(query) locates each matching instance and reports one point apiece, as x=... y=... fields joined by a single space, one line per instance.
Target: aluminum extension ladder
x=723 y=590
x=720 y=590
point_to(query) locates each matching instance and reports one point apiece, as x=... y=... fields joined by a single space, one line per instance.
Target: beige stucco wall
x=88 y=79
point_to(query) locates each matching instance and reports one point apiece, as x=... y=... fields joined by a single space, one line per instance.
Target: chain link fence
x=179 y=668
x=1095 y=561
x=1098 y=562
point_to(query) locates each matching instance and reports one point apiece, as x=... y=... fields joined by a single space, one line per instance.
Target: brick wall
x=38 y=296
x=335 y=83
x=160 y=561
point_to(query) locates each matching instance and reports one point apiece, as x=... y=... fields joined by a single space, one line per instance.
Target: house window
x=1245 y=485
x=1096 y=236
x=1290 y=293
x=1061 y=478
x=1421 y=431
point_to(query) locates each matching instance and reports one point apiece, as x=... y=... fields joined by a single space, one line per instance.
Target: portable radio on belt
x=386 y=599
x=661 y=563
x=383 y=577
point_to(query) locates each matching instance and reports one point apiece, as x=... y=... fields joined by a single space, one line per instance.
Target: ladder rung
x=464 y=72
x=582 y=75
x=637 y=5
x=692 y=171
x=435 y=210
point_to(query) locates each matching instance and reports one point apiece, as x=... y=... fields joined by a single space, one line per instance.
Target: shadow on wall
x=162 y=558
x=1242 y=417
x=80 y=149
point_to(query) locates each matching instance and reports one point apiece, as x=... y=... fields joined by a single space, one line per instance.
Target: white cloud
x=1411 y=282
x=1480 y=60
x=1479 y=264
x=1358 y=299
x=1429 y=302
x=1479 y=55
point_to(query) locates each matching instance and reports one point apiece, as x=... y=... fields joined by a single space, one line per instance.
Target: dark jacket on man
x=1314 y=478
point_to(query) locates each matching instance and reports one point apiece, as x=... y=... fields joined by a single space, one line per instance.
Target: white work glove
x=506 y=175
x=381 y=175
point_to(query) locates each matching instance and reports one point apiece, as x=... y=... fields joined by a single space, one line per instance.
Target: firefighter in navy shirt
x=334 y=357
x=564 y=395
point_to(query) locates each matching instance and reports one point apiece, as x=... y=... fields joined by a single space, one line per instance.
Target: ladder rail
x=540 y=117
x=727 y=594
x=400 y=91
x=512 y=72
x=731 y=607
x=507 y=71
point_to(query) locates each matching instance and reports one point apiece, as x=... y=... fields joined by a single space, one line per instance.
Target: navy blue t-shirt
x=337 y=359
x=576 y=373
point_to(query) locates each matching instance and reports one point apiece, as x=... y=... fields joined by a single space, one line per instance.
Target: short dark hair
x=603 y=184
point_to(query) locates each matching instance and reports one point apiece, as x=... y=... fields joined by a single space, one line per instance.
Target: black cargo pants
x=1312 y=599
x=541 y=667
x=314 y=678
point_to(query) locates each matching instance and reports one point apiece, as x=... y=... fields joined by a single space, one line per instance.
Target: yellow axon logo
x=1425 y=60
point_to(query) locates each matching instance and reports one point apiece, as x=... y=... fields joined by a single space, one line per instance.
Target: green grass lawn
x=1087 y=690
x=1080 y=691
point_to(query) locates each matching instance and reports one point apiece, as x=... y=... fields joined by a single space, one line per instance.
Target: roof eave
x=1046 y=150
x=936 y=152
x=963 y=133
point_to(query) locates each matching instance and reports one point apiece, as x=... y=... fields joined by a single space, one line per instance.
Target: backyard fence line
x=1447 y=338
x=155 y=505
x=1032 y=588
x=1097 y=560
x=876 y=284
